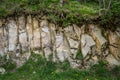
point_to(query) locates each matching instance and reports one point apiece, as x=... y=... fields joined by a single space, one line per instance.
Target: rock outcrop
x=23 y=34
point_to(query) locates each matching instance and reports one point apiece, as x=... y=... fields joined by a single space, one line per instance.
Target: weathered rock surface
x=20 y=36
x=2 y=70
x=12 y=34
x=0 y=22
x=61 y=47
x=2 y=47
x=112 y=61
x=86 y=44
x=114 y=46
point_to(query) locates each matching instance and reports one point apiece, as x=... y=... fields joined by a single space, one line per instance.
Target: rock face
x=114 y=46
x=87 y=43
x=12 y=34
x=2 y=47
x=20 y=36
x=2 y=70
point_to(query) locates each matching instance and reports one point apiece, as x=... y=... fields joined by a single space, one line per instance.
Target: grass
x=83 y=9
x=6 y=6
x=37 y=68
x=73 y=11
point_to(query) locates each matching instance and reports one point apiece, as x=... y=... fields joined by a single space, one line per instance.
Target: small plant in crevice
x=79 y=55
x=50 y=57
x=7 y=64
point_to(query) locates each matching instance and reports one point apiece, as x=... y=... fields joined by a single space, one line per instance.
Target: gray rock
x=1 y=23
x=114 y=46
x=61 y=48
x=2 y=70
x=86 y=43
x=12 y=35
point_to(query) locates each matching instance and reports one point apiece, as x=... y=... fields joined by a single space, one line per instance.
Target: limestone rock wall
x=21 y=35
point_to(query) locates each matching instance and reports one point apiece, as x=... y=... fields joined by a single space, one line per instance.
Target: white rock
x=72 y=34
x=112 y=61
x=77 y=31
x=75 y=64
x=21 y=22
x=86 y=43
x=62 y=54
x=2 y=70
x=29 y=29
x=73 y=43
x=12 y=35
x=61 y=48
x=36 y=33
x=36 y=38
x=69 y=31
x=96 y=33
x=2 y=53
x=44 y=23
x=45 y=34
x=35 y=23
x=74 y=46
x=114 y=47
x=23 y=41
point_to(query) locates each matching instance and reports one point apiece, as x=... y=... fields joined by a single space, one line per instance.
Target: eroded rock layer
x=21 y=35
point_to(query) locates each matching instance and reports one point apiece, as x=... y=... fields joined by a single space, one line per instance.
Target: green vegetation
x=11 y=6
x=112 y=19
x=79 y=55
x=74 y=11
x=7 y=63
x=37 y=68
